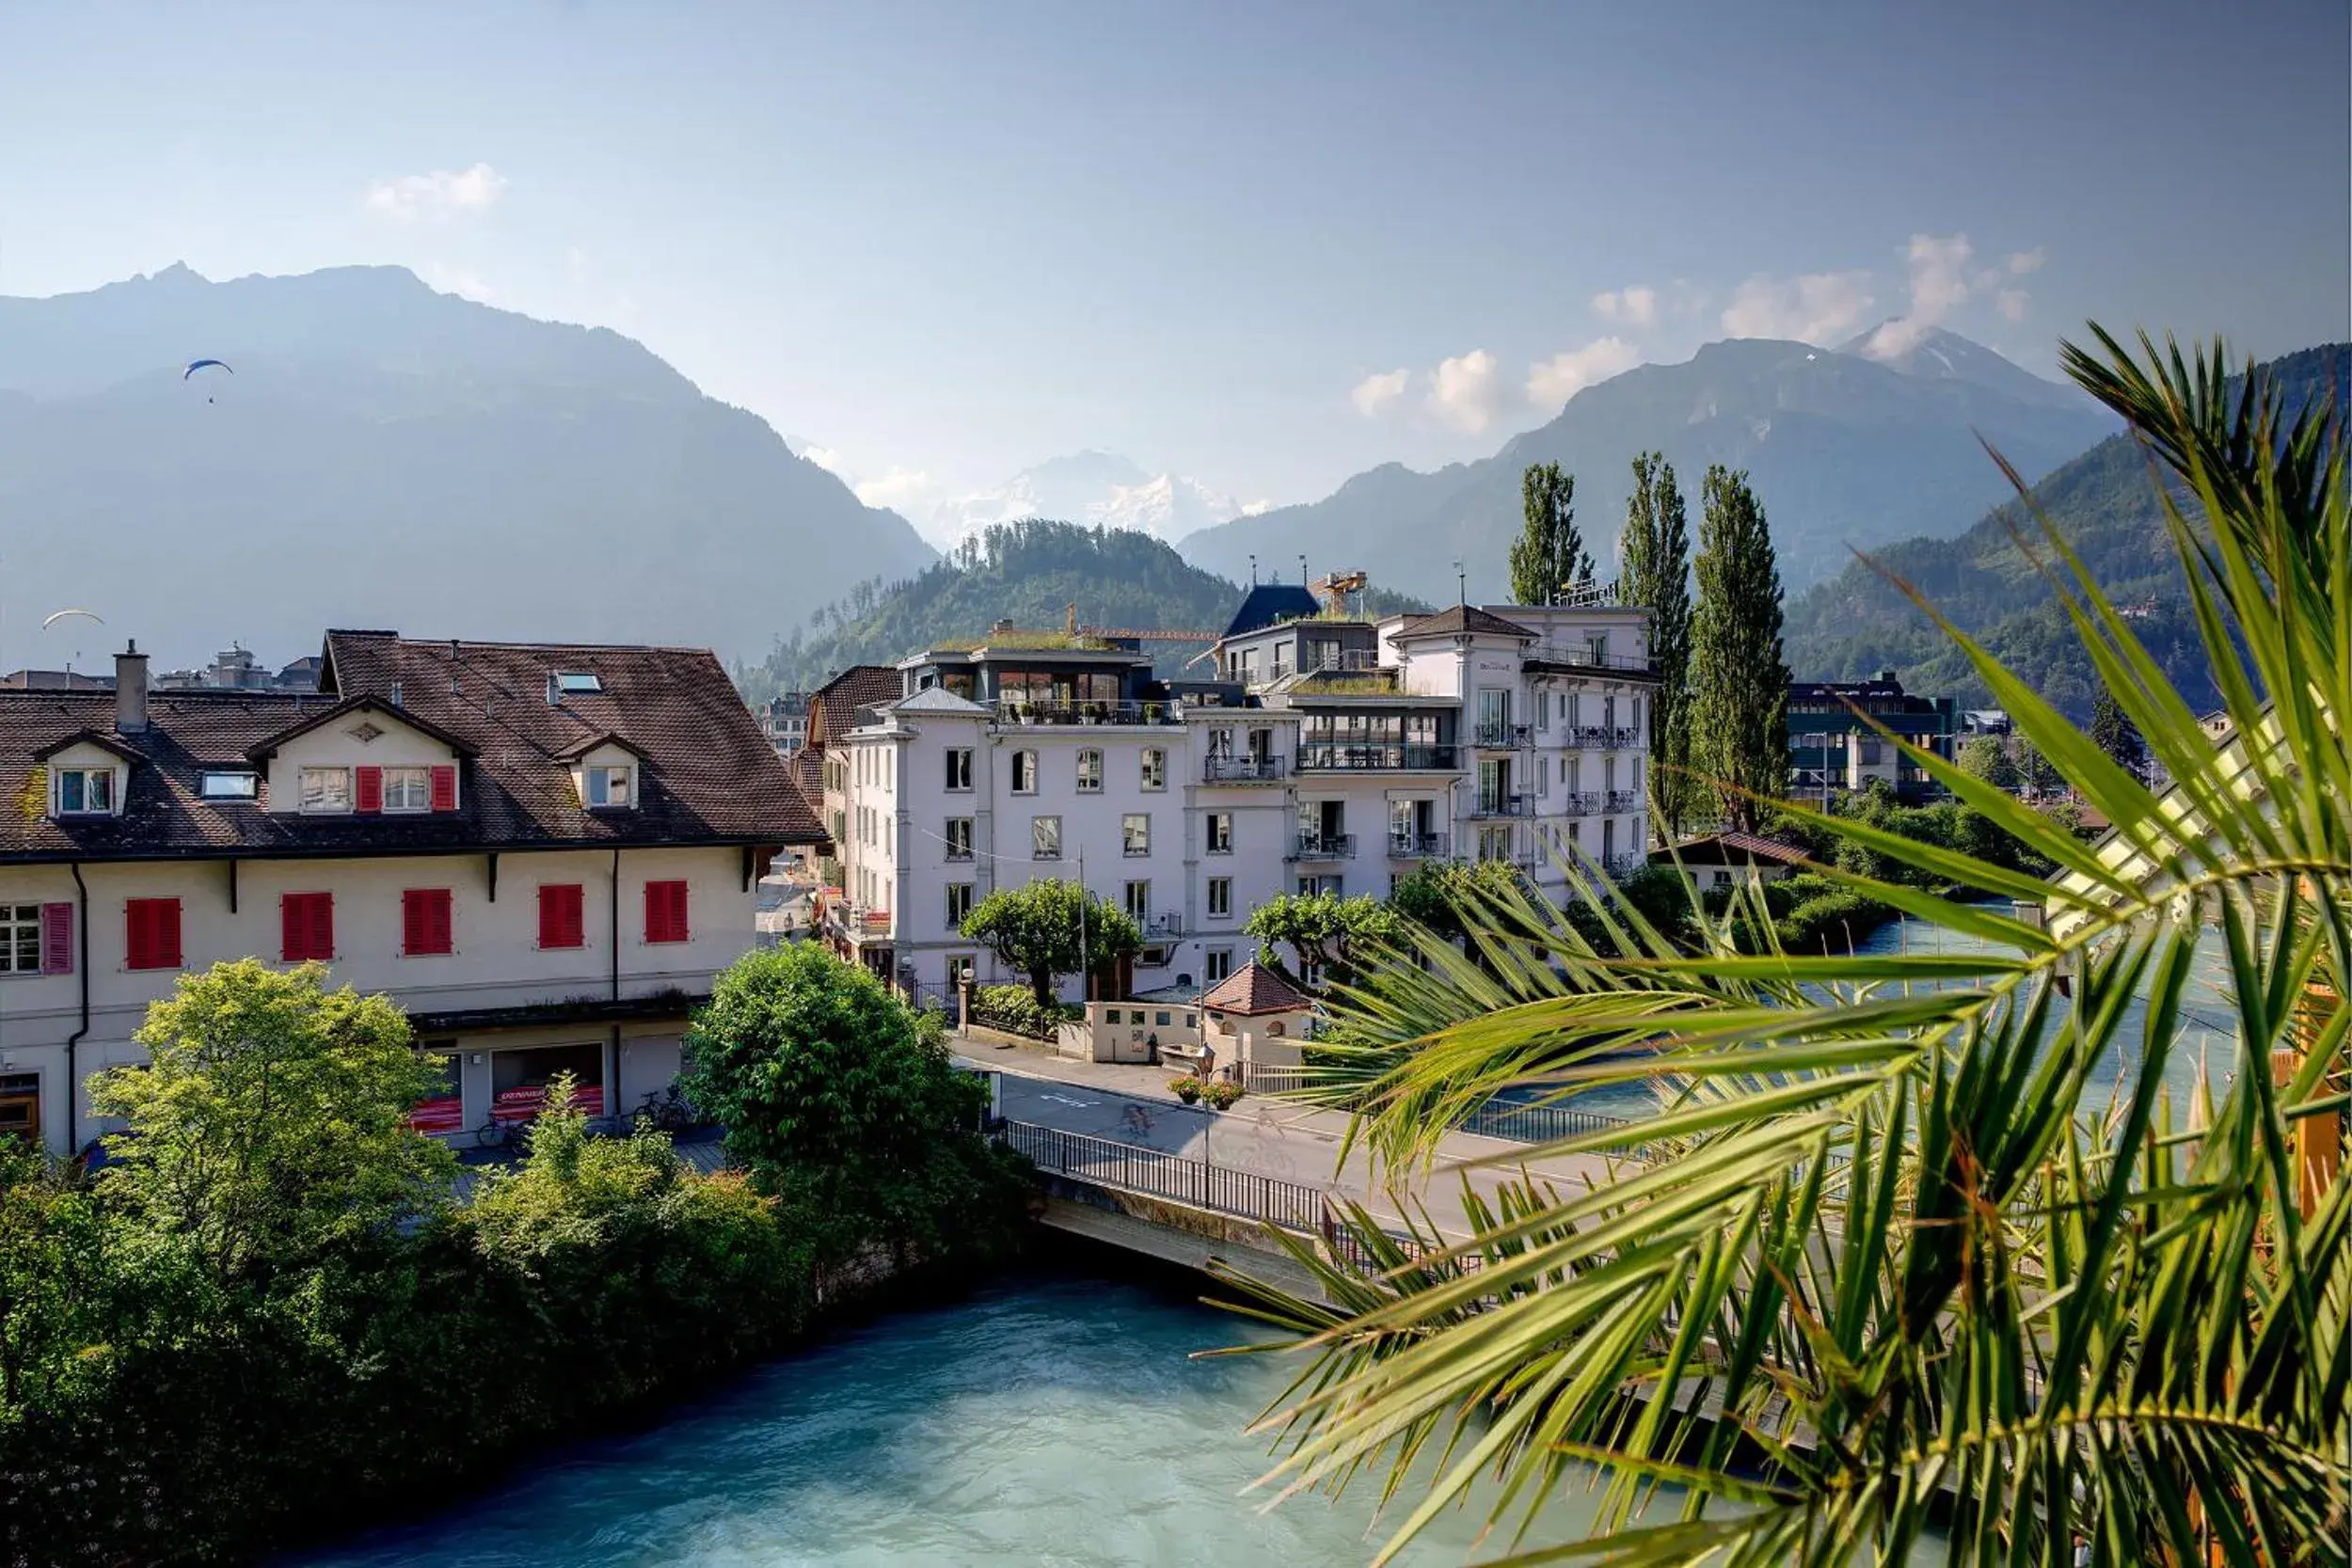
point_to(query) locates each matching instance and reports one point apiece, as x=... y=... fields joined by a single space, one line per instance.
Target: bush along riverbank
x=269 y=1318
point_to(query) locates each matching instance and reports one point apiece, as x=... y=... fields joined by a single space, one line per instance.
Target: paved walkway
x=1263 y=1135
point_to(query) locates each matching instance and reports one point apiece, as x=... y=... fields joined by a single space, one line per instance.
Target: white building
x=1333 y=754
x=542 y=853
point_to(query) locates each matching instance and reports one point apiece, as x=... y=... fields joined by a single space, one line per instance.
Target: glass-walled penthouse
x=1077 y=681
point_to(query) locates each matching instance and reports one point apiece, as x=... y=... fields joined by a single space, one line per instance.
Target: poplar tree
x=1739 y=679
x=2113 y=732
x=1549 y=554
x=1657 y=576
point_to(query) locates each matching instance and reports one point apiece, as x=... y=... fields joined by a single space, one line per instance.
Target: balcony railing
x=1580 y=802
x=1164 y=926
x=1241 y=770
x=1625 y=799
x=1418 y=847
x=1493 y=735
x=1324 y=756
x=1024 y=710
x=1606 y=738
x=1323 y=847
x=1347 y=659
x=1624 y=865
x=1505 y=805
x=1583 y=658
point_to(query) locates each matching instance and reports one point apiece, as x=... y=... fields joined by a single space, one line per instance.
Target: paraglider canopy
x=195 y=365
x=53 y=619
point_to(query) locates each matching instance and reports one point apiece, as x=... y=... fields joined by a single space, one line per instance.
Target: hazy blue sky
x=1264 y=245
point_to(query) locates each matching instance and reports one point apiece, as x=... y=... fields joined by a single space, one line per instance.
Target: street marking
x=1067 y=1100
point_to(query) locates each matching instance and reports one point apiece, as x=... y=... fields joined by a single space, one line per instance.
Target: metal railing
x=1241 y=770
x=1583 y=658
x=1419 y=845
x=1625 y=799
x=1580 y=802
x=1124 y=1167
x=1347 y=659
x=1505 y=805
x=1323 y=847
x=1021 y=710
x=1624 y=865
x=1518 y=1122
x=1164 y=926
x=1491 y=734
x=1324 y=756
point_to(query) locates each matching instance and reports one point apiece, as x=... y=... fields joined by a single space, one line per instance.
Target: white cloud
x=826 y=458
x=1466 y=391
x=437 y=196
x=2022 y=261
x=898 y=489
x=1816 y=308
x=1554 y=381
x=1636 y=305
x=2012 y=304
x=1376 y=392
x=459 y=282
x=1944 y=277
x=1251 y=509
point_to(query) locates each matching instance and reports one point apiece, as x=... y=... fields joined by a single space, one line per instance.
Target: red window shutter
x=445 y=789
x=293 y=927
x=309 y=922
x=665 y=911
x=323 y=926
x=56 y=939
x=424 y=921
x=371 y=796
x=559 y=915
x=153 y=932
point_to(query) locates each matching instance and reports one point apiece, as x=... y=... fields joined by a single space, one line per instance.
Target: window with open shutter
x=152 y=932
x=56 y=939
x=665 y=911
x=445 y=789
x=559 y=915
x=370 y=792
x=425 y=922
x=307 y=922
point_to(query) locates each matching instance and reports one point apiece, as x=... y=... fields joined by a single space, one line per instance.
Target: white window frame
x=413 y=788
x=228 y=778
x=966 y=846
x=1024 y=772
x=958 y=770
x=1152 y=767
x=1221 y=898
x=1209 y=836
x=1130 y=844
x=1136 y=898
x=1217 y=963
x=959 y=892
x=20 y=936
x=1040 y=828
x=86 y=775
x=1090 y=771
x=325 y=806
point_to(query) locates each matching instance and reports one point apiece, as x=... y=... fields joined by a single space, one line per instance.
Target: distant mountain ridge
x=388 y=455
x=2106 y=505
x=1030 y=573
x=1089 y=487
x=1842 y=448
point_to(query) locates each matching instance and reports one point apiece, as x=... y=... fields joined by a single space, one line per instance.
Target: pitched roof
x=832 y=706
x=1731 y=849
x=319 y=717
x=1459 y=620
x=710 y=776
x=1254 y=988
x=1268 y=601
x=938 y=699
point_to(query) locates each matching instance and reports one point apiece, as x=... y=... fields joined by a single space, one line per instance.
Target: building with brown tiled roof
x=1722 y=860
x=544 y=852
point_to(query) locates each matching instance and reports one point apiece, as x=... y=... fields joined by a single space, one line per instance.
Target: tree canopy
x=1739 y=678
x=1548 y=560
x=1657 y=576
x=1324 y=930
x=1051 y=928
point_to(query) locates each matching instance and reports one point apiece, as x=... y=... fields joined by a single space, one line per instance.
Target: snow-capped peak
x=1095 y=487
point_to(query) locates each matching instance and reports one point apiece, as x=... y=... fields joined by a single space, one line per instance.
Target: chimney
x=131 y=690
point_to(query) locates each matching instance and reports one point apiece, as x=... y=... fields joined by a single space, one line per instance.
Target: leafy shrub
x=1188 y=1090
x=1016 y=1010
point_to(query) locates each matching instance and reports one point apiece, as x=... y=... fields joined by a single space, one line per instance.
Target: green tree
x=1657 y=576
x=272 y=1120
x=2113 y=732
x=1324 y=929
x=1051 y=928
x=1986 y=757
x=2018 y=1306
x=1549 y=557
x=1739 y=679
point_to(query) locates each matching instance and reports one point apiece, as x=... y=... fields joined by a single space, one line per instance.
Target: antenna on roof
x=1302 y=568
x=1253 y=571
x=1461 y=583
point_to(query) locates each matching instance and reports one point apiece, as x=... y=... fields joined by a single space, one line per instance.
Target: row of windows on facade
x=38 y=939
x=90 y=791
x=1136 y=899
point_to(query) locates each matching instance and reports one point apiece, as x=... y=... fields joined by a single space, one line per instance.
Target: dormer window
x=408 y=789
x=230 y=786
x=607 y=786
x=86 y=791
x=326 y=789
x=579 y=683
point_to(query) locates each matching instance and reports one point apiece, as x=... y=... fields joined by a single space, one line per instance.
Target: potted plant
x=1188 y=1090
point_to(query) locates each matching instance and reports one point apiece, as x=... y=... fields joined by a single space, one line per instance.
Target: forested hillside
x=1030 y=573
x=2105 y=504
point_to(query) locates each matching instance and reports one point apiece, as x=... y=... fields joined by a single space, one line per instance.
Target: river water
x=1054 y=1419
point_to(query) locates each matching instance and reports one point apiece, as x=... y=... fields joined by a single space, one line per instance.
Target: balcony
x=1323 y=847
x=1418 y=847
x=1580 y=802
x=1324 y=756
x=1622 y=866
x=1569 y=656
x=1625 y=799
x=1505 y=805
x=1605 y=738
x=1164 y=926
x=1021 y=711
x=1497 y=736
x=1241 y=770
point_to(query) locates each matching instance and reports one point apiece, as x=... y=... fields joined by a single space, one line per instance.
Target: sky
x=1263 y=246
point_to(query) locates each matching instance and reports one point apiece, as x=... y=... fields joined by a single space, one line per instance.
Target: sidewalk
x=1261 y=1134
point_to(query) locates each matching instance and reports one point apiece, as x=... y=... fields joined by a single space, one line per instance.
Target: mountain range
x=1091 y=487
x=1843 y=449
x=384 y=454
